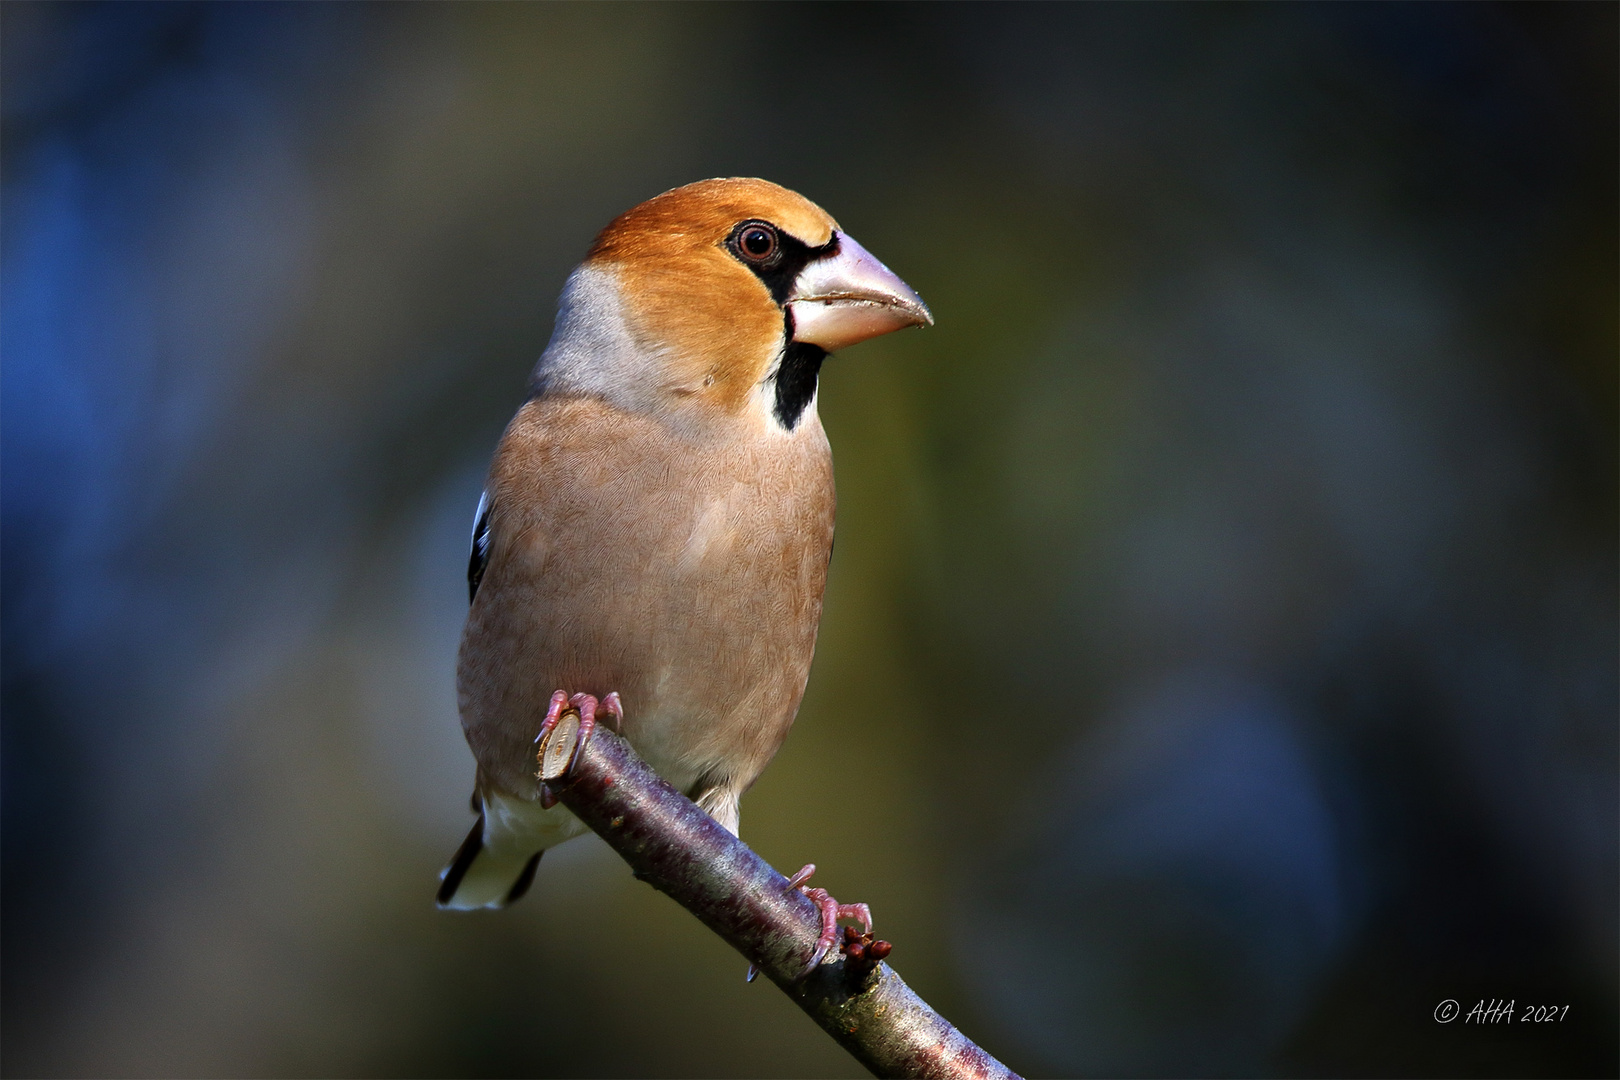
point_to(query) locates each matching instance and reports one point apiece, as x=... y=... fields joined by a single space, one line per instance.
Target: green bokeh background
x=1275 y=361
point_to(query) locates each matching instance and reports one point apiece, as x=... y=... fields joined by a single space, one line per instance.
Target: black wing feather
x=478 y=562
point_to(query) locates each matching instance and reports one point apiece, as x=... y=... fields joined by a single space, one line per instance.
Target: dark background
x=1219 y=663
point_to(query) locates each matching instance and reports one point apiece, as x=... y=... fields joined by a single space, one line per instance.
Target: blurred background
x=1224 y=613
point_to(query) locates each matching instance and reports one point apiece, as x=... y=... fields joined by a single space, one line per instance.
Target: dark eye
x=757 y=243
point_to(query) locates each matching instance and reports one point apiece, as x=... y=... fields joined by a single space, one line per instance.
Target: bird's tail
x=497 y=861
x=480 y=878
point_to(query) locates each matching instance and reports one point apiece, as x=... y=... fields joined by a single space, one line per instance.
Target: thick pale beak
x=850 y=297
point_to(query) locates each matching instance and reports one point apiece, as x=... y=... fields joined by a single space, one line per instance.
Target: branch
x=676 y=847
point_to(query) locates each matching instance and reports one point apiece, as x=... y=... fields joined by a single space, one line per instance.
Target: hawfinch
x=652 y=543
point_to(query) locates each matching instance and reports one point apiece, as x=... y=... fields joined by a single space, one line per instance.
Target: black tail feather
x=525 y=879
x=469 y=850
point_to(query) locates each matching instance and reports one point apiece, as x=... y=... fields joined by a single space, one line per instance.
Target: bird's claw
x=831 y=912
x=587 y=707
x=559 y=702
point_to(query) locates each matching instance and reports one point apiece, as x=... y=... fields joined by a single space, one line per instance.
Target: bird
x=652 y=543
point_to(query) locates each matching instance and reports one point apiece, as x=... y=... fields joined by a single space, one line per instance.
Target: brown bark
x=678 y=849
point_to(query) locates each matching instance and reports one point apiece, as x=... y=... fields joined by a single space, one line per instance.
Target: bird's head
x=717 y=297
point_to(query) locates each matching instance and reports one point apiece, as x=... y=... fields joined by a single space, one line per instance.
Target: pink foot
x=831 y=912
x=608 y=706
x=587 y=707
x=559 y=701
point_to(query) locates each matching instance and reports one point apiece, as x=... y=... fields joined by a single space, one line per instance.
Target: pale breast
x=687 y=575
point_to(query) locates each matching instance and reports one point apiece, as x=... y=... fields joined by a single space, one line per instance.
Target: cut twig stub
x=557 y=751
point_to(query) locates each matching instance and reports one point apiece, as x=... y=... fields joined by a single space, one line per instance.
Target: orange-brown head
x=710 y=293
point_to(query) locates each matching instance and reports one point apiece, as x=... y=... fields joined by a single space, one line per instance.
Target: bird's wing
x=479 y=560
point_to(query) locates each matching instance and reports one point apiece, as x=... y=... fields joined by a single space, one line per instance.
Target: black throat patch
x=796 y=378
